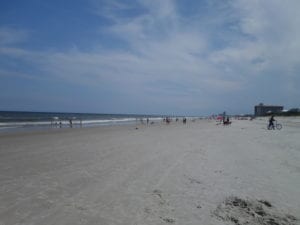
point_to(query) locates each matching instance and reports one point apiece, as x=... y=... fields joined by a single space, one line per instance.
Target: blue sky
x=191 y=57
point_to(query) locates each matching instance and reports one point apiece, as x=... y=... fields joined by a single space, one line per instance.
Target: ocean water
x=14 y=121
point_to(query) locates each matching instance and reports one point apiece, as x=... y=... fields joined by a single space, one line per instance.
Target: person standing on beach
x=271 y=123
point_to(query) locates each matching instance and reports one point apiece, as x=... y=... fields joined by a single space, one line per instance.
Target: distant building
x=263 y=110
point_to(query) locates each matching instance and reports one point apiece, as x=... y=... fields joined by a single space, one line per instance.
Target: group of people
x=271 y=125
x=168 y=120
x=60 y=124
x=226 y=121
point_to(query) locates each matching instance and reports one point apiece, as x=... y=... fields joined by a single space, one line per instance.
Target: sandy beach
x=198 y=173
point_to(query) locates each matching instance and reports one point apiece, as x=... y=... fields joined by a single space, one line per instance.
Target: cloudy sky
x=187 y=57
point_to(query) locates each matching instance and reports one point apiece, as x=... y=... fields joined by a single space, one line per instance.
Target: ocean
x=16 y=121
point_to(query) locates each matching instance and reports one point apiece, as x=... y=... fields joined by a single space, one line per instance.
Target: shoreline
x=288 y=120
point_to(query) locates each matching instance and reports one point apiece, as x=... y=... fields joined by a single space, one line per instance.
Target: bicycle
x=276 y=125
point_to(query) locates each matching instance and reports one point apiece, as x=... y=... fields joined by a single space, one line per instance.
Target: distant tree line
x=291 y=112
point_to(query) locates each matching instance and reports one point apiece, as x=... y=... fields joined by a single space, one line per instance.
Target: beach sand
x=198 y=173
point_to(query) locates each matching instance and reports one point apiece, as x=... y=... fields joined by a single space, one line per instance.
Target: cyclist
x=271 y=122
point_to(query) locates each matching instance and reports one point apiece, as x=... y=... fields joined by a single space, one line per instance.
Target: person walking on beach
x=271 y=123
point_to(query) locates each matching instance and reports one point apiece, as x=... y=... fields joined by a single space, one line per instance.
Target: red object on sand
x=220 y=118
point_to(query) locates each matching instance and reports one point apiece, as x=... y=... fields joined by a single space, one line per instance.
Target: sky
x=174 y=57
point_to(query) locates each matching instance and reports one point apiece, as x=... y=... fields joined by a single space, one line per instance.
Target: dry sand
x=198 y=173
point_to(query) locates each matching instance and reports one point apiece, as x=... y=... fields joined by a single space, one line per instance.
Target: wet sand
x=198 y=173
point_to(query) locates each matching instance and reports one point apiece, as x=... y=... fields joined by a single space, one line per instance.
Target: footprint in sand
x=194 y=181
x=164 y=208
x=168 y=220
